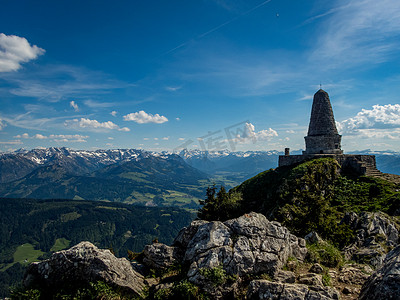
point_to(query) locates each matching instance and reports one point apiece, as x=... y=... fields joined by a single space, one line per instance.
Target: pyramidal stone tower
x=322 y=137
x=323 y=140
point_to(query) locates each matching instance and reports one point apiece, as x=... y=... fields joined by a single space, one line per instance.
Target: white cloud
x=2 y=124
x=380 y=122
x=74 y=105
x=178 y=119
x=156 y=139
x=77 y=138
x=93 y=125
x=113 y=113
x=110 y=138
x=22 y=136
x=265 y=134
x=14 y=51
x=145 y=139
x=142 y=117
x=379 y=117
x=250 y=135
x=306 y=97
x=181 y=139
x=173 y=88
x=56 y=137
x=290 y=131
x=39 y=136
x=166 y=138
x=88 y=123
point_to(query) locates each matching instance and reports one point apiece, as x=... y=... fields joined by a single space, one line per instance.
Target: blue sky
x=208 y=74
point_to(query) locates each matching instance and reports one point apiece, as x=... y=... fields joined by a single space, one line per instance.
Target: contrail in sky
x=217 y=27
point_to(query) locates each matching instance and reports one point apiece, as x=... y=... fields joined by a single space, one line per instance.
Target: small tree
x=219 y=206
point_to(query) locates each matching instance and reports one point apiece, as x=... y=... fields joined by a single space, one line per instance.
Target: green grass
x=60 y=244
x=25 y=254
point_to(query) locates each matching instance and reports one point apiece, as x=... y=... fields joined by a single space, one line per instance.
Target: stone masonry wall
x=357 y=163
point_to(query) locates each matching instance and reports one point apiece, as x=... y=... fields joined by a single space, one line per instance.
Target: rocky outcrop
x=81 y=264
x=158 y=255
x=385 y=282
x=265 y=289
x=247 y=245
x=249 y=254
x=376 y=234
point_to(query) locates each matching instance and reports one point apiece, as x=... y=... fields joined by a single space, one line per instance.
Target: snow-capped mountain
x=126 y=175
x=17 y=164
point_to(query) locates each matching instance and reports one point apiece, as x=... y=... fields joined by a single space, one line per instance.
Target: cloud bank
x=382 y=121
x=93 y=125
x=77 y=138
x=14 y=51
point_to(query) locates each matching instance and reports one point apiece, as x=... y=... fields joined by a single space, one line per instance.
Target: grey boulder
x=81 y=264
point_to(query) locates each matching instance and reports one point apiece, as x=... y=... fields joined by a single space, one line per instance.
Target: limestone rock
x=84 y=263
x=186 y=234
x=313 y=238
x=376 y=232
x=385 y=282
x=264 y=289
x=250 y=244
x=158 y=255
x=311 y=279
x=316 y=268
x=354 y=274
x=285 y=276
x=208 y=236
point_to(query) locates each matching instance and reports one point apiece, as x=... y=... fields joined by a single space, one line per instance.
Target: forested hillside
x=32 y=229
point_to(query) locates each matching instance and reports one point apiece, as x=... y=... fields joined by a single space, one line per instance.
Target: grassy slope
x=314 y=195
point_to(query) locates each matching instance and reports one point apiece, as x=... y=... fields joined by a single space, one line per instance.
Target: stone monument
x=323 y=140
x=322 y=137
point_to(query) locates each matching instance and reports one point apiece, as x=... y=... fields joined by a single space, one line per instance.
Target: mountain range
x=138 y=176
x=131 y=176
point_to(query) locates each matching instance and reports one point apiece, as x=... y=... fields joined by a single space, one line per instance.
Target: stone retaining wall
x=358 y=163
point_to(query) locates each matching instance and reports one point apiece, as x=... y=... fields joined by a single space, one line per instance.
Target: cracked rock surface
x=248 y=245
x=84 y=263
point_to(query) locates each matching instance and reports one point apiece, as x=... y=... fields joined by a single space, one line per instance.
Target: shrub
x=325 y=254
x=216 y=275
x=186 y=290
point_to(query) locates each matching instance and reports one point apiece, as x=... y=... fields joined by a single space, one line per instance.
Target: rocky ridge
x=248 y=257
